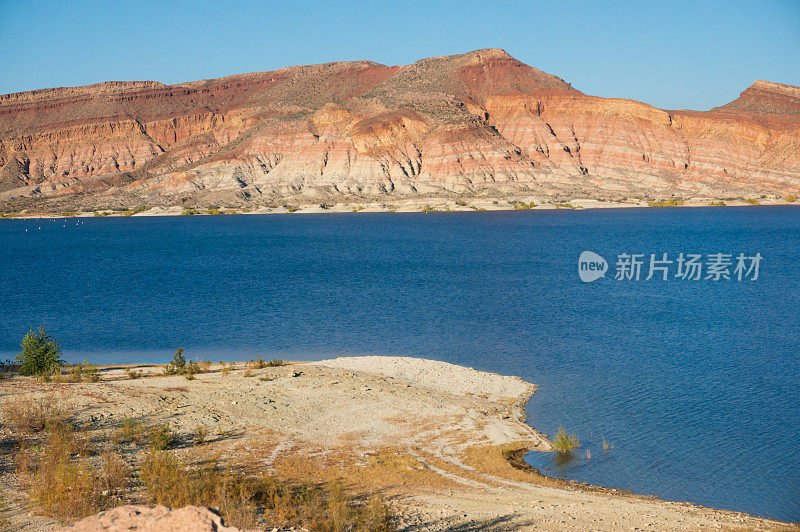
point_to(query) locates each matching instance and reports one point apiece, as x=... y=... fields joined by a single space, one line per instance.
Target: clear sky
x=672 y=54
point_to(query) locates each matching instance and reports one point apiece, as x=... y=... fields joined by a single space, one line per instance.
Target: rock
x=157 y=519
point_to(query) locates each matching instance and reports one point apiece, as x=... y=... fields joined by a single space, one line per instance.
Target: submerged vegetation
x=565 y=443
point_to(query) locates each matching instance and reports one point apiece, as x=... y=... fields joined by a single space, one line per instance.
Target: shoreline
x=444 y=443
x=410 y=206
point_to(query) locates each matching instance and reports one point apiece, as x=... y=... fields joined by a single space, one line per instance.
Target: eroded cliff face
x=475 y=124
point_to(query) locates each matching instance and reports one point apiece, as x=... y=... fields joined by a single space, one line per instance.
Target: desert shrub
x=115 y=473
x=40 y=355
x=752 y=201
x=461 y=203
x=130 y=431
x=192 y=368
x=225 y=369
x=717 y=204
x=428 y=208
x=258 y=363
x=177 y=364
x=132 y=373
x=213 y=210
x=189 y=211
x=61 y=481
x=205 y=366
x=84 y=372
x=275 y=362
x=791 y=198
x=669 y=203
x=29 y=415
x=161 y=437
x=200 y=434
x=565 y=443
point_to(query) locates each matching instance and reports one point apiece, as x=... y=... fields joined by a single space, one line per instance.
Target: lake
x=693 y=382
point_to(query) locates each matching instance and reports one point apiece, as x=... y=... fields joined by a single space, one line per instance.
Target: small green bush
x=565 y=443
x=40 y=356
x=161 y=437
x=178 y=363
x=130 y=431
x=84 y=372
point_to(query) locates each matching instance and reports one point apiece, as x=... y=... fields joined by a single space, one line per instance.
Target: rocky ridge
x=479 y=124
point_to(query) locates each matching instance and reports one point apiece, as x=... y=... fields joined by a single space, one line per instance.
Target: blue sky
x=672 y=54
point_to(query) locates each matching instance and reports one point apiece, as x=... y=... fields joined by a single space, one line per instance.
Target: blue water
x=694 y=383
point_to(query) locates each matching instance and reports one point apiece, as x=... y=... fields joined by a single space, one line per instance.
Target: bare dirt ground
x=433 y=438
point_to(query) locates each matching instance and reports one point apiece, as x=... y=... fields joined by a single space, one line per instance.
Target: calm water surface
x=694 y=383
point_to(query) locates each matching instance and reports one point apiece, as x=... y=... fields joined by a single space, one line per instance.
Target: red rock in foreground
x=157 y=519
x=476 y=124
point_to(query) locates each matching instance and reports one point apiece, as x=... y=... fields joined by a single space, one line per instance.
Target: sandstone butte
x=481 y=124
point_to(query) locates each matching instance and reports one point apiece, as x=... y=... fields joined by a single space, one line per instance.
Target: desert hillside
x=481 y=124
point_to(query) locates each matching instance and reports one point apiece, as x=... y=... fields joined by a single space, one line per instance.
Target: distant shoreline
x=408 y=207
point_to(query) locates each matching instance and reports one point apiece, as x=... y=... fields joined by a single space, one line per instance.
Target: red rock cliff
x=477 y=123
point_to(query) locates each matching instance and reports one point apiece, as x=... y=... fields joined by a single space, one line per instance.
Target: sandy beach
x=436 y=440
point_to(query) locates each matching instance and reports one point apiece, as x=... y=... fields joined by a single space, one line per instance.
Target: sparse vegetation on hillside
x=667 y=203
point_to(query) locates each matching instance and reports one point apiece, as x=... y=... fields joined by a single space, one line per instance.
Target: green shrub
x=752 y=201
x=200 y=434
x=178 y=363
x=161 y=437
x=189 y=211
x=717 y=204
x=40 y=355
x=565 y=443
x=130 y=431
x=669 y=203
x=84 y=372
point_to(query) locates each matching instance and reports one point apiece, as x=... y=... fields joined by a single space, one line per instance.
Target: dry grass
x=64 y=482
x=241 y=498
x=29 y=415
